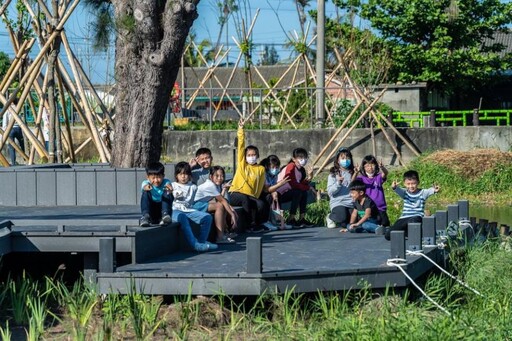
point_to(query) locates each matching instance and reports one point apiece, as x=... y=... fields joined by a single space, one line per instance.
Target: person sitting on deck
x=248 y=183
x=183 y=212
x=365 y=214
x=201 y=165
x=156 y=199
x=209 y=199
x=414 y=201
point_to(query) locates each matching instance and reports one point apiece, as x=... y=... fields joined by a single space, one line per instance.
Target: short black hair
x=182 y=167
x=298 y=152
x=357 y=185
x=251 y=147
x=155 y=168
x=202 y=151
x=411 y=175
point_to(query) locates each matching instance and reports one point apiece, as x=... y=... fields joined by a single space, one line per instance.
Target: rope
x=399 y=262
x=420 y=253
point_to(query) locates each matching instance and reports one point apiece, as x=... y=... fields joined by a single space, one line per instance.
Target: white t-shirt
x=207 y=191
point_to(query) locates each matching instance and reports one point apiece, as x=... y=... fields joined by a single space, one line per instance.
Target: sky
x=276 y=20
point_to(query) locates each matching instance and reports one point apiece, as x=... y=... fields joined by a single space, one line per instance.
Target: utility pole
x=320 y=63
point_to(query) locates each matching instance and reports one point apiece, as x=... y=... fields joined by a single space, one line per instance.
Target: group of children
x=357 y=201
x=200 y=191
x=200 y=194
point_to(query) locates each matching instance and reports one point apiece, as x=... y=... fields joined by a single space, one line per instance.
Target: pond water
x=501 y=215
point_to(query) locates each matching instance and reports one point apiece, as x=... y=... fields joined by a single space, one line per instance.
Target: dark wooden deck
x=306 y=260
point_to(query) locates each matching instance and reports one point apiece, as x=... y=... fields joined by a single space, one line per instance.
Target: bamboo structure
x=48 y=28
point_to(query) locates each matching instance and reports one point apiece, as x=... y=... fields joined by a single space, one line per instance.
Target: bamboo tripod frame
x=49 y=31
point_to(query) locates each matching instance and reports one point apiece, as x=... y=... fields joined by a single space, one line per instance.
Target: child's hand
x=147 y=188
x=394 y=184
x=436 y=188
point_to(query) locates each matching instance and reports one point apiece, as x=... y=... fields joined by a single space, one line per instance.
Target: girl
x=248 y=183
x=296 y=189
x=374 y=175
x=272 y=166
x=209 y=199
x=340 y=201
x=182 y=211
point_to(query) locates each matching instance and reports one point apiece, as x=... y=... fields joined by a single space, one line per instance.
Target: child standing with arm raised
x=414 y=201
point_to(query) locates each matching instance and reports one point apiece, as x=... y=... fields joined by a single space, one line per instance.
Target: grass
x=52 y=310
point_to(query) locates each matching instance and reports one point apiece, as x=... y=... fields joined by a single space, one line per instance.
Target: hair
x=202 y=151
x=155 y=168
x=214 y=170
x=411 y=175
x=271 y=160
x=251 y=147
x=182 y=167
x=369 y=159
x=336 y=168
x=299 y=152
x=357 y=185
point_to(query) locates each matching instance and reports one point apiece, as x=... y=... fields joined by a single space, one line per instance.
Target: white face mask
x=303 y=162
x=251 y=159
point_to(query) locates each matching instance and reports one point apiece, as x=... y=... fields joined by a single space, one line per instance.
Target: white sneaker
x=271 y=227
x=330 y=223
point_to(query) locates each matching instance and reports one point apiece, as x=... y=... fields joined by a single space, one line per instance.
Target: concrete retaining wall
x=181 y=145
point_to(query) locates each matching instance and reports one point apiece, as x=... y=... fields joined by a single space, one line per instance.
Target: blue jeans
x=155 y=209
x=202 y=218
x=369 y=226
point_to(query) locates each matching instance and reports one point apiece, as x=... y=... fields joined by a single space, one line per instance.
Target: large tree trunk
x=150 y=40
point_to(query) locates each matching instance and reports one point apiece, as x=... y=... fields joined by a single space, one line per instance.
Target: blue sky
x=267 y=30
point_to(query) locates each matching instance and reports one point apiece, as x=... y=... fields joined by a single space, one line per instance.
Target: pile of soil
x=473 y=163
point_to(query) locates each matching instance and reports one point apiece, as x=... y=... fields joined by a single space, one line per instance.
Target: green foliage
x=5 y=63
x=441 y=42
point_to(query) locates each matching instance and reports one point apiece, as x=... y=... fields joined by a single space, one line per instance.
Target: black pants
x=341 y=215
x=256 y=210
x=401 y=225
x=298 y=198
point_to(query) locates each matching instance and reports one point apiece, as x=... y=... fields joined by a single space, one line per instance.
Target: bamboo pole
x=100 y=146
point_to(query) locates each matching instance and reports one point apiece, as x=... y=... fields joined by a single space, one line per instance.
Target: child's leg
x=261 y=211
x=219 y=216
x=383 y=218
x=182 y=218
x=370 y=225
x=401 y=225
x=204 y=220
x=341 y=215
x=293 y=195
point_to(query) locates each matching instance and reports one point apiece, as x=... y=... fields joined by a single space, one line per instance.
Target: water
x=501 y=215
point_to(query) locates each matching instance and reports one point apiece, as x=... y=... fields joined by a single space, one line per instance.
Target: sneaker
x=380 y=230
x=144 y=221
x=292 y=222
x=166 y=218
x=305 y=223
x=211 y=246
x=269 y=226
x=225 y=240
x=331 y=224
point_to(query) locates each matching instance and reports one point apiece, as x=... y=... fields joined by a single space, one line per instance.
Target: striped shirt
x=414 y=203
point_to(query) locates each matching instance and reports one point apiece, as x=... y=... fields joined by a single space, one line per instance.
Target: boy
x=156 y=199
x=365 y=213
x=414 y=201
x=201 y=166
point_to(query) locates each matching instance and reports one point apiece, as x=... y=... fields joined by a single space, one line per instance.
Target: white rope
x=420 y=253
x=399 y=262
